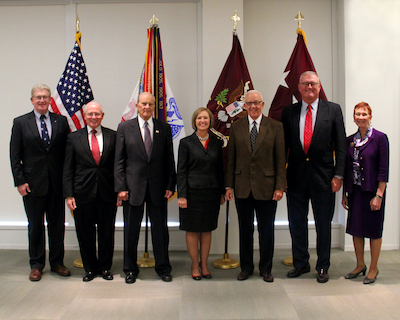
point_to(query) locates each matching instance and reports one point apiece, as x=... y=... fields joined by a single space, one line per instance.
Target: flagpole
x=78 y=263
x=147 y=261
x=226 y=262
x=288 y=261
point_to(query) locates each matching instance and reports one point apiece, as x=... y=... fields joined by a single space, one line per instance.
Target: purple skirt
x=361 y=221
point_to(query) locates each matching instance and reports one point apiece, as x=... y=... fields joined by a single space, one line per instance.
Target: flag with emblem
x=227 y=100
x=288 y=92
x=153 y=80
x=73 y=90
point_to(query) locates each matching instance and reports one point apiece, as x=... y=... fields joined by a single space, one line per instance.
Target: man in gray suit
x=144 y=172
x=37 y=150
x=256 y=173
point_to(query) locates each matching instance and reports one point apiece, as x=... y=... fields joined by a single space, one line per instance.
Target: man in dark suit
x=37 y=150
x=316 y=149
x=89 y=190
x=144 y=172
x=256 y=172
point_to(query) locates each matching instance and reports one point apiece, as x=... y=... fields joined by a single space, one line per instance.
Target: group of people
x=97 y=169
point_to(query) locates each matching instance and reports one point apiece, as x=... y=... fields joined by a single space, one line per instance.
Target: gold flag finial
x=153 y=20
x=299 y=18
x=235 y=18
x=77 y=23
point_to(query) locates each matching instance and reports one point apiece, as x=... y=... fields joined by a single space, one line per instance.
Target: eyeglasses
x=312 y=84
x=38 y=98
x=93 y=115
x=249 y=103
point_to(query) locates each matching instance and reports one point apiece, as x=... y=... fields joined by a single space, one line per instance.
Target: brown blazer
x=262 y=171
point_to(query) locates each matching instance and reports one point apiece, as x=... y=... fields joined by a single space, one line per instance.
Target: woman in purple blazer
x=366 y=175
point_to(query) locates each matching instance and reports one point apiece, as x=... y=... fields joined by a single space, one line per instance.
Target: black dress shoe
x=130 y=278
x=206 y=276
x=89 y=276
x=166 y=277
x=297 y=272
x=267 y=277
x=322 y=276
x=369 y=281
x=107 y=275
x=355 y=275
x=244 y=275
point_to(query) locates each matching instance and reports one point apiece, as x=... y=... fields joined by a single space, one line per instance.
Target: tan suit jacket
x=262 y=171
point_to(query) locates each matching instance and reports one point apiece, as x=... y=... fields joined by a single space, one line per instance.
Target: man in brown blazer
x=256 y=173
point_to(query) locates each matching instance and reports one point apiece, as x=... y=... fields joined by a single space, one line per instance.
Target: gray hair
x=40 y=86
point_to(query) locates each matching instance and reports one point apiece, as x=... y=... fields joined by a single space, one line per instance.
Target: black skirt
x=202 y=212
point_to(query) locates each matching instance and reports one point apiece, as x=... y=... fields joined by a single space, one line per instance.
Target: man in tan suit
x=256 y=172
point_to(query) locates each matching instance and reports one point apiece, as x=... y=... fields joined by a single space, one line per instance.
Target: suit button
x=362 y=169
x=307 y=159
x=362 y=179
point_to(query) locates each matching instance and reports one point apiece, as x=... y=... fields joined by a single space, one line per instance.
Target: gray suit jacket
x=262 y=171
x=135 y=172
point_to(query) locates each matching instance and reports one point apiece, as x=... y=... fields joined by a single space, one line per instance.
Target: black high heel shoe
x=355 y=275
x=369 y=281
x=205 y=276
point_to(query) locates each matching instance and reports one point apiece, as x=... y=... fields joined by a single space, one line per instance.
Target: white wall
x=351 y=43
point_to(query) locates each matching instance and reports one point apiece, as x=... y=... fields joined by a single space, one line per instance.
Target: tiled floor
x=222 y=297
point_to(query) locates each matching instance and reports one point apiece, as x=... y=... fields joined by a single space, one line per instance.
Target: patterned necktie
x=45 y=132
x=308 y=131
x=95 y=147
x=253 y=135
x=147 y=139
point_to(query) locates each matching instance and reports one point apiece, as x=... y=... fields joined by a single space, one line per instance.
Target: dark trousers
x=265 y=214
x=323 y=204
x=52 y=205
x=133 y=216
x=87 y=216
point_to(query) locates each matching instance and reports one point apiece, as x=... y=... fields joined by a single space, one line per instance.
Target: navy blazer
x=83 y=179
x=135 y=172
x=199 y=168
x=326 y=157
x=373 y=159
x=30 y=161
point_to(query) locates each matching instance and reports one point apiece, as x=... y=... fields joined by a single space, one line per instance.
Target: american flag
x=73 y=90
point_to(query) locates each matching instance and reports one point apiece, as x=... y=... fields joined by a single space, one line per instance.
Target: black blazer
x=30 y=162
x=134 y=172
x=83 y=178
x=327 y=154
x=199 y=168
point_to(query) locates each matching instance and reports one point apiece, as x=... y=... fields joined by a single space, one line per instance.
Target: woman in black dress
x=367 y=171
x=200 y=189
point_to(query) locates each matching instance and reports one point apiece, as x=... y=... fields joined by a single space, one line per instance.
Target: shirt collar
x=251 y=120
x=37 y=114
x=98 y=129
x=142 y=121
x=314 y=105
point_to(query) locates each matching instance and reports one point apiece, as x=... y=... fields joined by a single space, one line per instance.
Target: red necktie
x=308 y=130
x=95 y=147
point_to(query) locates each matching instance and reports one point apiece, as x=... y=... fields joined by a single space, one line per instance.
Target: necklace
x=203 y=139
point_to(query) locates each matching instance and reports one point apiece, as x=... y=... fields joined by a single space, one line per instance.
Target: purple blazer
x=374 y=162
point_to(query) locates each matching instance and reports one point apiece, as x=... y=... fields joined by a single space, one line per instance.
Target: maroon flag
x=287 y=92
x=227 y=100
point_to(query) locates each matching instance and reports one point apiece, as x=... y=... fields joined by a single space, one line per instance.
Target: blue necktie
x=45 y=132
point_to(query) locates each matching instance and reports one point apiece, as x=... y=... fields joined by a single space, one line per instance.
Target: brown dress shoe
x=61 y=270
x=267 y=277
x=35 y=275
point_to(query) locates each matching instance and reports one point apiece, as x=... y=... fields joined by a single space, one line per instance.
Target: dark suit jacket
x=83 y=178
x=30 y=162
x=262 y=171
x=199 y=168
x=373 y=159
x=134 y=172
x=317 y=169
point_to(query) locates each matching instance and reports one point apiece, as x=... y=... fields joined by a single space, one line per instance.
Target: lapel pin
x=157 y=131
x=352 y=144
